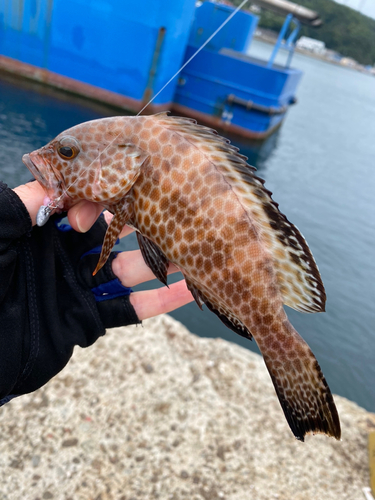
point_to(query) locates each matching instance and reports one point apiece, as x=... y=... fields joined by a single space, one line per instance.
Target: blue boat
x=226 y=88
x=123 y=53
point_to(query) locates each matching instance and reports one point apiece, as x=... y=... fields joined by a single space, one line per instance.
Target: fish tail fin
x=302 y=390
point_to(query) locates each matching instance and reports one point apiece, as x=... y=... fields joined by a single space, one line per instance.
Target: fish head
x=49 y=163
x=90 y=161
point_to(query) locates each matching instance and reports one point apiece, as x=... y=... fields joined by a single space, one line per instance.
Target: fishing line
x=195 y=54
x=44 y=211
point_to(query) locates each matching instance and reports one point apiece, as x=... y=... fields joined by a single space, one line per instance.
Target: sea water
x=322 y=174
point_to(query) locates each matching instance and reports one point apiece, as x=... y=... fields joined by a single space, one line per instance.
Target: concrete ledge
x=156 y=412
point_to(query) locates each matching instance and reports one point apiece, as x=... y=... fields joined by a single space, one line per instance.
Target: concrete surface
x=156 y=412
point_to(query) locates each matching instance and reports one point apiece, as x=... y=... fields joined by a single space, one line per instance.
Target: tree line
x=344 y=30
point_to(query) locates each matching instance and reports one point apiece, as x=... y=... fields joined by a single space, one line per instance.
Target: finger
x=83 y=215
x=131 y=269
x=126 y=229
x=32 y=195
x=150 y=303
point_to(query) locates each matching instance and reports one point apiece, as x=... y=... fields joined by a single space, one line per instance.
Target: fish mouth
x=45 y=174
x=34 y=170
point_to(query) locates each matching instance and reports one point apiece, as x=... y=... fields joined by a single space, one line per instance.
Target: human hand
x=129 y=267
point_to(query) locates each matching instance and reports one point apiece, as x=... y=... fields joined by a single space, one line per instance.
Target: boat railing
x=289 y=44
x=268 y=110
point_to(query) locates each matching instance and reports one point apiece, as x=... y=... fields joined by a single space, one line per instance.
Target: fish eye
x=66 y=152
x=68 y=148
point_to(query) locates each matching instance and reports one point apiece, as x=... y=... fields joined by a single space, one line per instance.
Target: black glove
x=49 y=300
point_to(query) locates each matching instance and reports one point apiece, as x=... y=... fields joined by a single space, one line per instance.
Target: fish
x=194 y=201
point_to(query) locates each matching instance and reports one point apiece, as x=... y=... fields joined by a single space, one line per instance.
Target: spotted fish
x=194 y=201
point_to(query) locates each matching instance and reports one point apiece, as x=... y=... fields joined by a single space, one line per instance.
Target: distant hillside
x=345 y=30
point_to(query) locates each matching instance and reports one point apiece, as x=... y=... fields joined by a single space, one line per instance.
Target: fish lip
x=47 y=176
x=33 y=169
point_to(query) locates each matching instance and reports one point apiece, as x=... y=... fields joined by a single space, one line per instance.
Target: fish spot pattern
x=193 y=195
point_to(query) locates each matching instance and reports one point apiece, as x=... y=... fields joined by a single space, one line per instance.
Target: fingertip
x=83 y=215
x=32 y=195
x=149 y=303
x=107 y=216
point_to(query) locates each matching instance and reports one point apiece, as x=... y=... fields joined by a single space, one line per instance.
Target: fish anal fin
x=197 y=294
x=230 y=321
x=154 y=258
x=221 y=312
x=121 y=216
x=302 y=390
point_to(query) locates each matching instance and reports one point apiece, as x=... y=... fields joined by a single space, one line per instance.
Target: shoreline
x=359 y=68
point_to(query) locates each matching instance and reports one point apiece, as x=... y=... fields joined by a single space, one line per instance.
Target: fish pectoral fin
x=154 y=258
x=221 y=312
x=302 y=390
x=120 y=218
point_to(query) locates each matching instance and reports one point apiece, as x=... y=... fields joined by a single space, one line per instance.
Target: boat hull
x=235 y=93
x=123 y=57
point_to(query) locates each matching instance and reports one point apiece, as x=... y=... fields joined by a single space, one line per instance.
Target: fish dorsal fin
x=296 y=271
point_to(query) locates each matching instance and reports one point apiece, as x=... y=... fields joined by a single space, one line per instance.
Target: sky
x=366 y=7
